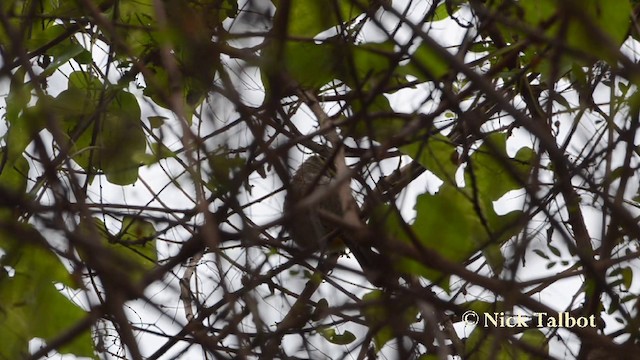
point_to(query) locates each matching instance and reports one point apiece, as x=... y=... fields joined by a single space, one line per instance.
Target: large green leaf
x=579 y=23
x=118 y=143
x=535 y=339
x=23 y=122
x=457 y=222
x=137 y=237
x=373 y=118
x=311 y=65
x=65 y=52
x=334 y=337
x=121 y=140
x=363 y=66
x=387 y=316
x=24 y=18
x=138 y=26
x=426 y=65
x=446 y=9
x=18 y=96
x=187 y=30
x=437 y=155
x=307 y=18
x=222 y=167
x=493 y=173
x=49 y=38
x=129 y=254
x=447 y=223
x=388 y=221
x=8 y=7
x=13 y=174
x=30 y=303
x=480 y=345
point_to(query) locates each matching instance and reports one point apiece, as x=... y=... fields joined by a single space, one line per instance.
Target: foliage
x=141 y=172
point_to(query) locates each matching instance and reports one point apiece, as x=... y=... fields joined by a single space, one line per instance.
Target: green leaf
x=426 y=65
x=43 y=35
x=23 y=124
x=222 y=166
x=74 y=102
x=554 y=250
x=307 y=18
x=447 y=223
x=386 y=316
x=386 y=220
x=536 y=340
x=300 y=57
x=541 y=254
x=140 y=34
x=336 y=338
x=84 y=57
x=429 y=357
x=22 y=130
x=368 y=63
x=10 y=7
x=483 y=307
x=157 y=80
x=626 y=276
x=158 y=152
x=136 y=230
x=13 y=174
x=437 y=155
x=131 y=253
x=121 y=140
x=18 y=96
x=579 y=29
x=609 y=17
x=80 y=99
x=495 y=174
x=137 y=241
x=30 y=304
x=494 y=171
x=313 y=65
x=321 y=310
x=374 y=119
x=451 y=212
x=482 y=345
x=64 y=53
x=443 y=10
x=85 y=81
x=156 y=121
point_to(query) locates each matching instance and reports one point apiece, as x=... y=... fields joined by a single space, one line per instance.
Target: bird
x=308 y=228
x=316 y=228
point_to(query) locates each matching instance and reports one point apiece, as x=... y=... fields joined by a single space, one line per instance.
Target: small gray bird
x=316 y=228
x=310 y=230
